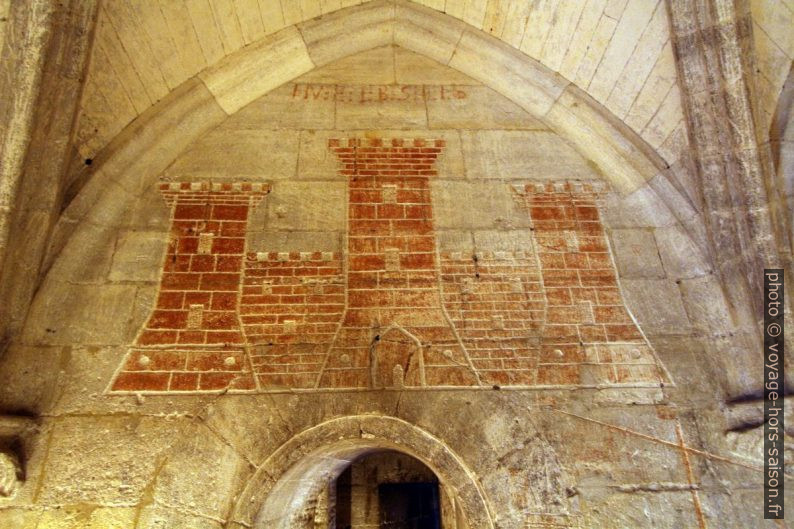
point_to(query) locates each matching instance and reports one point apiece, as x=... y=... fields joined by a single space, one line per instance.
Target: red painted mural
x=193 y=340
x=392 y=311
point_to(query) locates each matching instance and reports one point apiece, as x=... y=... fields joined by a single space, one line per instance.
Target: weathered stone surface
x=345 y=33
x=367 y=67
x=364 y=260
x=136 y=256
x=86 y=450
x=495 y=206
x=286 y=206
x=411 y=68
x=642 y=208
x=297 y=105
x=101 y=318
x=519 y=155
x=680 y=257
x=657 y=305
x=637 y=254
x=178 y=475
x=239 y=153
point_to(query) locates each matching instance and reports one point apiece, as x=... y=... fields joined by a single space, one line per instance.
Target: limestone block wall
x=603 y=438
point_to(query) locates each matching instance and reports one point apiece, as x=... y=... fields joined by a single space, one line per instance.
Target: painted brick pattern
x=496 y=303
x=589 y=336
x=392 y=311
x=291 y=306
x=394 y=331
x=193 y=341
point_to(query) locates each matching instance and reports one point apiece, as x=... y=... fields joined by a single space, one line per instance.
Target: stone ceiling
x=619 y=52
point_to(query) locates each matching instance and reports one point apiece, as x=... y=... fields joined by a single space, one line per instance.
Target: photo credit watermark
x=773 y=394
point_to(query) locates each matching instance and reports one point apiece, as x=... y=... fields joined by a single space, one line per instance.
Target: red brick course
x=495 y=301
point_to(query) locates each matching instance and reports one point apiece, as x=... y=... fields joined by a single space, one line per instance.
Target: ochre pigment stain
x=391 y=312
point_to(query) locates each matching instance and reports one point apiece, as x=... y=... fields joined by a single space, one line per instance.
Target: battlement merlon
x=207 y=192
x=335 y=143
x=593 y=188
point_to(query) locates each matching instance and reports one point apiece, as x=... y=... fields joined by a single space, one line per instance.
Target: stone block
x=696 y=376
x=375 y=66
x=144 y=149
x=67 y=314
x=29 y=376
x=503 y=240
x=84 y=376
x=508 y=71
x=657 y=305
x=87 y=259
x=639 y=209
x=235 y=154
x=455 y=241
x=234 y=418
x=237 y=80
x=426 y=31
x=488 y=205
x=413 y=68
x=156 y=516
x=138 y=256
x=340 y=34
x=200 y=474
x=498 y=154
x=379 y=107
x=20 y=517
x=87 y=518
x=290 y=106
x=477 y=107
x=317 y=206
x=149 y=212
x=680 y=256
x=85 y=451
x=621 y=156
x=636 y=254
x=705 y=302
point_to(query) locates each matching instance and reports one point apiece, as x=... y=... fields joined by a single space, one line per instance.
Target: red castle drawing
x=392 y=312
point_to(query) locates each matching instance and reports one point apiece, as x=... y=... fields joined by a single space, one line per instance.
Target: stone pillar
x=44 y=52
x=713 y=40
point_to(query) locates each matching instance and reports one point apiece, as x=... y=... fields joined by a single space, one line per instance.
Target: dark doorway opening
x=388 y=490
x=409 y=506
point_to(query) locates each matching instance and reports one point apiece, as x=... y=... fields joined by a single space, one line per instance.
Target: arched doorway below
x=385 y=489
x=365 y=488
x=295 y=486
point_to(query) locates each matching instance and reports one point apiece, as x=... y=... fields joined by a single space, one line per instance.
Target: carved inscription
x=378 y=93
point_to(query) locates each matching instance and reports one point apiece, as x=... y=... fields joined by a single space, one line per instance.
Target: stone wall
x=589 y=317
